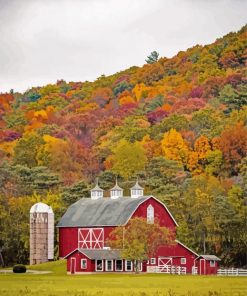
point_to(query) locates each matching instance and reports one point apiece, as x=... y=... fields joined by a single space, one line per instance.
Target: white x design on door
x=90 y=238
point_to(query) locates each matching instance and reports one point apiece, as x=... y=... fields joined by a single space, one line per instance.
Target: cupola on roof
x=97 y=192
x=136 y=190
x=116 y=191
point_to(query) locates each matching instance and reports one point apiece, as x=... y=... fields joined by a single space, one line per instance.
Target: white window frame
x=116 y=265
x=183 y=260
x=131 y=265
x=212 y=263
x=83 y=261
x=153 y=261
x=150 y=214
x=102 y=264
x=106 y=266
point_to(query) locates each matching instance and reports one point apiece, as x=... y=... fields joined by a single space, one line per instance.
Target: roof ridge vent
x=116 y=191
x=97 y=192
x=136 y=190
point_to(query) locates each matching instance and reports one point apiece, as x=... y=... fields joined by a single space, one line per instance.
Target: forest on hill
x=179 y=124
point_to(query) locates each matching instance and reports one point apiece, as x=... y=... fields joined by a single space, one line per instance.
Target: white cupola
x=97 y=192
x=116 y=191
x=136 y=190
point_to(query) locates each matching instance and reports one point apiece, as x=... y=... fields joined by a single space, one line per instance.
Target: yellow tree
x=174 y=147
x=202 y=147
x=128 y=159
x=198 y=158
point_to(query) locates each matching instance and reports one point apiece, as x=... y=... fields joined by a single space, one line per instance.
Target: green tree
x=26 y=149
x=74 y=192
x=139 y=240
x=128 y=159
x=163 y=174
x=152 y=58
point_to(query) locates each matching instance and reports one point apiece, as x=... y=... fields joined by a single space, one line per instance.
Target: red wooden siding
x=68 y=236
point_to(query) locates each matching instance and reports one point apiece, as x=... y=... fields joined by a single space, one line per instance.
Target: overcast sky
x=42 y=41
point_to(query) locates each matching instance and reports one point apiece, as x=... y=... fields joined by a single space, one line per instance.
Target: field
x=58 y=283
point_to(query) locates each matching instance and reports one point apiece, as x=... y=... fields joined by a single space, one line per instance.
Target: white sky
x=76 y=40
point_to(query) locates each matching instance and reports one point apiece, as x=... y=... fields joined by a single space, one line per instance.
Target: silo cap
x=41 y=207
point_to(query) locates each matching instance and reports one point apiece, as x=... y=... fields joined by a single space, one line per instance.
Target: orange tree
x=139 y=240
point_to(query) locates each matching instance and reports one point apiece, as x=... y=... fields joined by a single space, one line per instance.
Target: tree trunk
x=1 y=259
x=136 y=266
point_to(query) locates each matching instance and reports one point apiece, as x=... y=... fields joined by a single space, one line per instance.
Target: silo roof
x=41 y=207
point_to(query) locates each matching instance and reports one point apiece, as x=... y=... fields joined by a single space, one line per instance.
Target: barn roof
x=102 y=212
x=95 y=254
x=210 y=257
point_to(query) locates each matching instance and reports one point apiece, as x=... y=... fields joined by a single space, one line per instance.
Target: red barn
x=86 y=225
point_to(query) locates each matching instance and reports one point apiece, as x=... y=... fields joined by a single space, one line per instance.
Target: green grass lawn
x=58 y=283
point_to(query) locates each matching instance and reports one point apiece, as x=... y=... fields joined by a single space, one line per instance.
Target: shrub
x=19 y=268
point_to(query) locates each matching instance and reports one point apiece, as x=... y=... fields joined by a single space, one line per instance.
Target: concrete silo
x=41 y=233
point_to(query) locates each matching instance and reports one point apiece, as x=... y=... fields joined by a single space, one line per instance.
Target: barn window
x=109 y=265
x=119 y=265
x=212 y=263
x=83 y=263
x=153 y=261
x=128 y=265
x=150 y=214
x=99 y=265
x=183 y=261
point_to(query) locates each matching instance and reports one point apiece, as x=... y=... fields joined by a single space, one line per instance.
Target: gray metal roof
x=101 y=254
x=101 y=212
x=210 y=257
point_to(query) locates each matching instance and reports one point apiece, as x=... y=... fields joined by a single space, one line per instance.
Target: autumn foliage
x=179 y=124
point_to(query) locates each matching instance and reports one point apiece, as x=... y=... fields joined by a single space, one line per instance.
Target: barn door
x=202 y=266
x=165 y=264
x=72 y=265
x=90 y=238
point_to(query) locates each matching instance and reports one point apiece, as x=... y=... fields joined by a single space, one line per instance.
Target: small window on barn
x=183 y=261
x=150 y=214
x=128 y=265
x=119 y=265
x=153 y=261
x=109 y=265
x=83 y=263
x=99 y=265
x=212 y=263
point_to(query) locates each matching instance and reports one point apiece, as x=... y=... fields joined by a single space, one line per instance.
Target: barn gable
x=103 y=212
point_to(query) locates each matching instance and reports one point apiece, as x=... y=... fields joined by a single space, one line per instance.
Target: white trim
x=153 y=261
x=87 y=240
x=151 y=196
x=78 y=250
x=116 y=265
x=65 y=257
x=96 y=265
x=186 y=247
x=126 y=261
x=106 y=266
x=183 y=261
x=85 y=261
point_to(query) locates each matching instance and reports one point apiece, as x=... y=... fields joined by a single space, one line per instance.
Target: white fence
x=170 y=269
x=232 y=272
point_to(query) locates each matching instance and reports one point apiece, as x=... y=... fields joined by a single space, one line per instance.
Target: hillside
x=179 y=124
